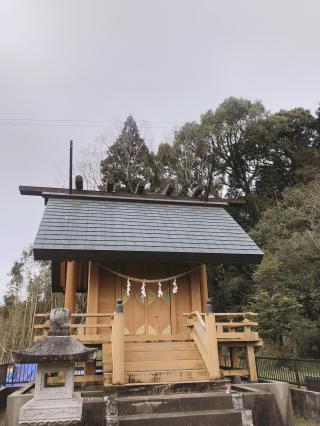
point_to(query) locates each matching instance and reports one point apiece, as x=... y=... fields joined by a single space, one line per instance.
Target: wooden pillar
x=250 y=358
x=251 y=363
x=212 y=347
x=221 y=359
x=92 y=297
x=70 y=296
x=196 y=304
x=234 y=357
x=117 y=345
x=90 y=368
x=203 y=286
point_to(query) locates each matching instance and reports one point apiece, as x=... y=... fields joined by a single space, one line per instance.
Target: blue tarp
x=20 y=374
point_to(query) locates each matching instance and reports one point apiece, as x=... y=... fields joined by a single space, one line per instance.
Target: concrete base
x=306 y=403
x=270 y=402
x=136 y=389
x=51 y=412
x=15 y=401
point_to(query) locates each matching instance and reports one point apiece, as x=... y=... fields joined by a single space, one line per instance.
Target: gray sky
x=166 y=62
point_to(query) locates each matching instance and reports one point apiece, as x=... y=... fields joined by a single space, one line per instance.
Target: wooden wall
x=150 y=316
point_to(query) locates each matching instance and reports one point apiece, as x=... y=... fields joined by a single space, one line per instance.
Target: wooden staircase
x=160 y=361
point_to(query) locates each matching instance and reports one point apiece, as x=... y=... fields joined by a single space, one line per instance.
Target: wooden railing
x=214 y=333
x=116 y=334
x=78 y=325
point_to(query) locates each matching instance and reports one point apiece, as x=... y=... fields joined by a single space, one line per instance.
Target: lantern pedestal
x=54 y=402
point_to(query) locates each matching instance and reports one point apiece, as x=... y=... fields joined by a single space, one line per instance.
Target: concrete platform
x=135 y=389
x=191 y=418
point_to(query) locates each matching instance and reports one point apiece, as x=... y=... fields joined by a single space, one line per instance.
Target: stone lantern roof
x=58 y=345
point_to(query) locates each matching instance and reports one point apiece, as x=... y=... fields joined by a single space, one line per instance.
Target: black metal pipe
x=206 y=196
x=70 y=166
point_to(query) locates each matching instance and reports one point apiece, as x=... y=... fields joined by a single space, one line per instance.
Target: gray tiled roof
x=116 y=229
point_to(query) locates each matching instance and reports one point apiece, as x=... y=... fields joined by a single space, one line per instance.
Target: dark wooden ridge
x=52 y=192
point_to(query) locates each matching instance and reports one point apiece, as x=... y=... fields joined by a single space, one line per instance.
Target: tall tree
x=291 y=148
x=287 y=292
x=128 y=159
x=236 y=156
x=187 y=160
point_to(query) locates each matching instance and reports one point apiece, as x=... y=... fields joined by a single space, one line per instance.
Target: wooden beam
x=203 y=286
x=92 y=297
x=40 y=190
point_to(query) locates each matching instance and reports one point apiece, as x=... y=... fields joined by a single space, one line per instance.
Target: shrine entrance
x=156 y=310
x=150 y=315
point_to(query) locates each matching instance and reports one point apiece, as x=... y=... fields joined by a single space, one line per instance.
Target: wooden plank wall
x=152 y=315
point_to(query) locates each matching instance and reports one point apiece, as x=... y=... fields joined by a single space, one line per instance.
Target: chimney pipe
x=79 y=183
x=109 y=185
x=70 y=166
x=140 y=187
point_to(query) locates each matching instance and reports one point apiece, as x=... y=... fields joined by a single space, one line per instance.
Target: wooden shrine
x=141 y=259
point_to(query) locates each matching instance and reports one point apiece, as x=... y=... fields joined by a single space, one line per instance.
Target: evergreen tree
x=128 y=159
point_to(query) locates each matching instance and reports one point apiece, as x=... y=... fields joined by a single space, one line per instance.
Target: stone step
x=174 y=403
x=166 y=376
x=192 y=418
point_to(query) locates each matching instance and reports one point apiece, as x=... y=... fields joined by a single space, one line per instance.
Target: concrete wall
x=270 y=403
x=15 y=401
x=306 y=403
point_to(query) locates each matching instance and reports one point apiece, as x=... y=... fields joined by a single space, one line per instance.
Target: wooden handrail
x=237 y=324
x=92 y=315
x=223 y=314
x=98 y=315
x=42 y=326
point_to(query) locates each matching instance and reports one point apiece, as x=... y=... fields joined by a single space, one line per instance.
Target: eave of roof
x=49 y=192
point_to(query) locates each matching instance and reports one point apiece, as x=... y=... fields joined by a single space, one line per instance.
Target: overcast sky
x=71 y=69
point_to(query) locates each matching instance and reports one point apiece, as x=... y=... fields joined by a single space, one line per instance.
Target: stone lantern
x=54 y=401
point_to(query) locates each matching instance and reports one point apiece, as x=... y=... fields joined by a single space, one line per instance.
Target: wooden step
x=159 y=346
x=164 y=365
x=158 y=362
x=160 y=355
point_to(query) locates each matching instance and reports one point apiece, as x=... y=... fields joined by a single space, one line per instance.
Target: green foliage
x=28 y=291
x=287 y=291
x=290 y=142
x=236 y=156
x=128 y=160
